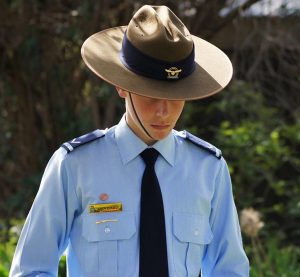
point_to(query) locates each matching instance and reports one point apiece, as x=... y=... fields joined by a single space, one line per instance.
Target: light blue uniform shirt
x=202 y=228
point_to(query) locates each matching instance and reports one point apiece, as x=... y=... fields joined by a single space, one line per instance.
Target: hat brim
x=213 y=70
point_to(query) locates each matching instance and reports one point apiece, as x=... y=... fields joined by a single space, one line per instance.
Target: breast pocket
x=191 y=233
x=112 y=237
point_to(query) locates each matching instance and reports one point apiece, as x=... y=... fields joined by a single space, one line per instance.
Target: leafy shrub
x=262 y=150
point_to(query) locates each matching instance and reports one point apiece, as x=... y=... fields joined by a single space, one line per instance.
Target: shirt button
x=106 y=230
x=196 y=232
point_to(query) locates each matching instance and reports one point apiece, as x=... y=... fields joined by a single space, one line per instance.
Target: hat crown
x=159 y=33
x=154 y=46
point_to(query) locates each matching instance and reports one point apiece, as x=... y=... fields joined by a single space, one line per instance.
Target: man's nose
x=162 y=108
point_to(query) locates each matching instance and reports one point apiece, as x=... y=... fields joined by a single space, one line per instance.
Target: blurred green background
x=48 y=96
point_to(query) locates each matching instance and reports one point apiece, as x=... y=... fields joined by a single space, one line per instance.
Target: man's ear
x=122 y=93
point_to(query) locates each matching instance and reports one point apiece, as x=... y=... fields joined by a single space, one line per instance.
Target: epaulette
x=202 y=143
x=76 y=142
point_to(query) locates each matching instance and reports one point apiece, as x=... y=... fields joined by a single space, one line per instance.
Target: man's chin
x=159 y=135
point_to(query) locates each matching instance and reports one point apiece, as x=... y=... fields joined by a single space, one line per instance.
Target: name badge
x=105 y=208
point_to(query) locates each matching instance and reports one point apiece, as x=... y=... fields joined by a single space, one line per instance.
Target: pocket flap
x=108 y=226
x=193 y=228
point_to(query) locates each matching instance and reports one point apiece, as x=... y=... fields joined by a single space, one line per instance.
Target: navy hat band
x=147 y=66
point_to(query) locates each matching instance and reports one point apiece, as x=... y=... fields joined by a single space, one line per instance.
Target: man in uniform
x=140 y=199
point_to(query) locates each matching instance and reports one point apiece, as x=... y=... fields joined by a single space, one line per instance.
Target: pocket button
x=196 y=232
x=106 y=230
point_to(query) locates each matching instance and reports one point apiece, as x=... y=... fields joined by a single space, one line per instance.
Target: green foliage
x=8 y=239
x=6 y=254
x=262 y=151
x=62 y=270
x=7 y=247
x=276 y=261
x=4 y=262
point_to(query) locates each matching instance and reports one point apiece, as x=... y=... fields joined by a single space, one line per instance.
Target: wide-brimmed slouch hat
x=156 y=56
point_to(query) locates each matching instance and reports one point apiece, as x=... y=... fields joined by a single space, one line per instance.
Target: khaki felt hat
x=156 y=56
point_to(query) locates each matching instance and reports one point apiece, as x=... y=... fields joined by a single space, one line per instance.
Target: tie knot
x=149 y=156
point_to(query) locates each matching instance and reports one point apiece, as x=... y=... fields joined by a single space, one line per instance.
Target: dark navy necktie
x=153 y=247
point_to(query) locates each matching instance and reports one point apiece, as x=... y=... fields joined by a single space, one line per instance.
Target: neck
x=138 y=131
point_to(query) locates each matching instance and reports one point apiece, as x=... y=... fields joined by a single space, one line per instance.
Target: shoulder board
x=202 y=143
x=76 y=142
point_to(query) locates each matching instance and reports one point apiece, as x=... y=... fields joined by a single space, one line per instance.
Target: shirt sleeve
x=45 y=234
x=225 y=255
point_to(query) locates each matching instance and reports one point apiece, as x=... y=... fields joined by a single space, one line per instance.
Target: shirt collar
x=130 y=146
x=166 y=148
